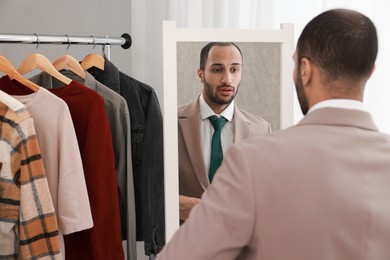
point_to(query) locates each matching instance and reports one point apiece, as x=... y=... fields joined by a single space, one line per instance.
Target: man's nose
x=227 y=79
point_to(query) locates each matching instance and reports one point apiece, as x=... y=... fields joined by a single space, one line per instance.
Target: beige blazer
x=193 y=177
x=319 y=190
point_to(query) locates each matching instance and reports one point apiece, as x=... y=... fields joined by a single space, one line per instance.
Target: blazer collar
x=109 y=77
x=190 y=110
x=242 y=126
x=340 y=116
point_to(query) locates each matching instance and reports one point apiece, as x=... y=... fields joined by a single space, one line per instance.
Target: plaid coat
x=28 y=225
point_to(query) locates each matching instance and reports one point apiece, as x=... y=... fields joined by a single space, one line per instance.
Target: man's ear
x=306 y=71
x=201 y=75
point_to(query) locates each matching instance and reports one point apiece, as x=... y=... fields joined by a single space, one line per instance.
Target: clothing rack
x=106 y=42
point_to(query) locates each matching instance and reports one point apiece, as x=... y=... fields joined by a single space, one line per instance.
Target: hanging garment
x=119 y=119
x=147 y=153
x=103 y=240
x=28 y=225
x=60 y=155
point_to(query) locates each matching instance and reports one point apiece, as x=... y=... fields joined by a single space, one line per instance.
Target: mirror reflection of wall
x=259 y=91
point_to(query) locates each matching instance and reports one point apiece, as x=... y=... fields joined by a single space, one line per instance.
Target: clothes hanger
x=70 y=63
x=37 y=60
x=92 y=59
x=7 y=67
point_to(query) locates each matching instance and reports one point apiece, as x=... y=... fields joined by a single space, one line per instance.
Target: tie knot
x=217 y=122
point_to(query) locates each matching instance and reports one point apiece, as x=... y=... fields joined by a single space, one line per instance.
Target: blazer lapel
x=189 y=122
x=242 y=126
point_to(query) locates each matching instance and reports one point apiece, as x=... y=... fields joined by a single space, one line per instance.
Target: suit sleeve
x=222 y=224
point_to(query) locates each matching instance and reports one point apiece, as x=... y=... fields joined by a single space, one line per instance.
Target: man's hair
x=343 y=43
x=204 y=53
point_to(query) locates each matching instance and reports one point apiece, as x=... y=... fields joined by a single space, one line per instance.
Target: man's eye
x=216 y=70
x=234 y=69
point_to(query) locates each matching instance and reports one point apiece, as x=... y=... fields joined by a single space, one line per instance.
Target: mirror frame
x=172 y=35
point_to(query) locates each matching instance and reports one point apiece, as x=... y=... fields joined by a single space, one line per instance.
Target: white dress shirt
x=207 y=129
x=339 y=103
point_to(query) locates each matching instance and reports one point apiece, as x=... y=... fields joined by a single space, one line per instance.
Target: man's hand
x=186 y=204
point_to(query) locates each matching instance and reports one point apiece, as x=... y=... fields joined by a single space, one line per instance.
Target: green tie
x=216 y=147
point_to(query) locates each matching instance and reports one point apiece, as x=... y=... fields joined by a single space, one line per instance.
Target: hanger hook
x=93 y=42
x=69 y=43
x=36 y=48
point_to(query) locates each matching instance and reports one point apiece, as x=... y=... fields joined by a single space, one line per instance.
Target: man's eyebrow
x=220 y=64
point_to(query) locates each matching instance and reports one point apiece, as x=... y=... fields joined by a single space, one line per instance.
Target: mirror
x=266 y=88
x=259 y=91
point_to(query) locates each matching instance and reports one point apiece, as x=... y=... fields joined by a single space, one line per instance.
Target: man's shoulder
x=254 y=119
x=181 y=107
x=189 y=107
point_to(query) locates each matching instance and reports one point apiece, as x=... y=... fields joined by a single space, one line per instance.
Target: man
x=220 y=73
x=318 y=190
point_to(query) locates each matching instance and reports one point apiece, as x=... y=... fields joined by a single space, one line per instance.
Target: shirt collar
x=206 y=111
x=109 y=77
x=339 y=103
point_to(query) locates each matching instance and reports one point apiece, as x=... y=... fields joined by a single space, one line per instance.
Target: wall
x=81 y=18
x=146 y=27
x=84 y=18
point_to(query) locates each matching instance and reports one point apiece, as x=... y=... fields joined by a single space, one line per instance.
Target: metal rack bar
x=124 y=40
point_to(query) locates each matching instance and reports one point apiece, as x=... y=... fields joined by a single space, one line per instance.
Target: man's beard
x=301 y=95
x=214 y=97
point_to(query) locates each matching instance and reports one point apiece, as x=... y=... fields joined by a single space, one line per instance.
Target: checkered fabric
x=28 y=225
